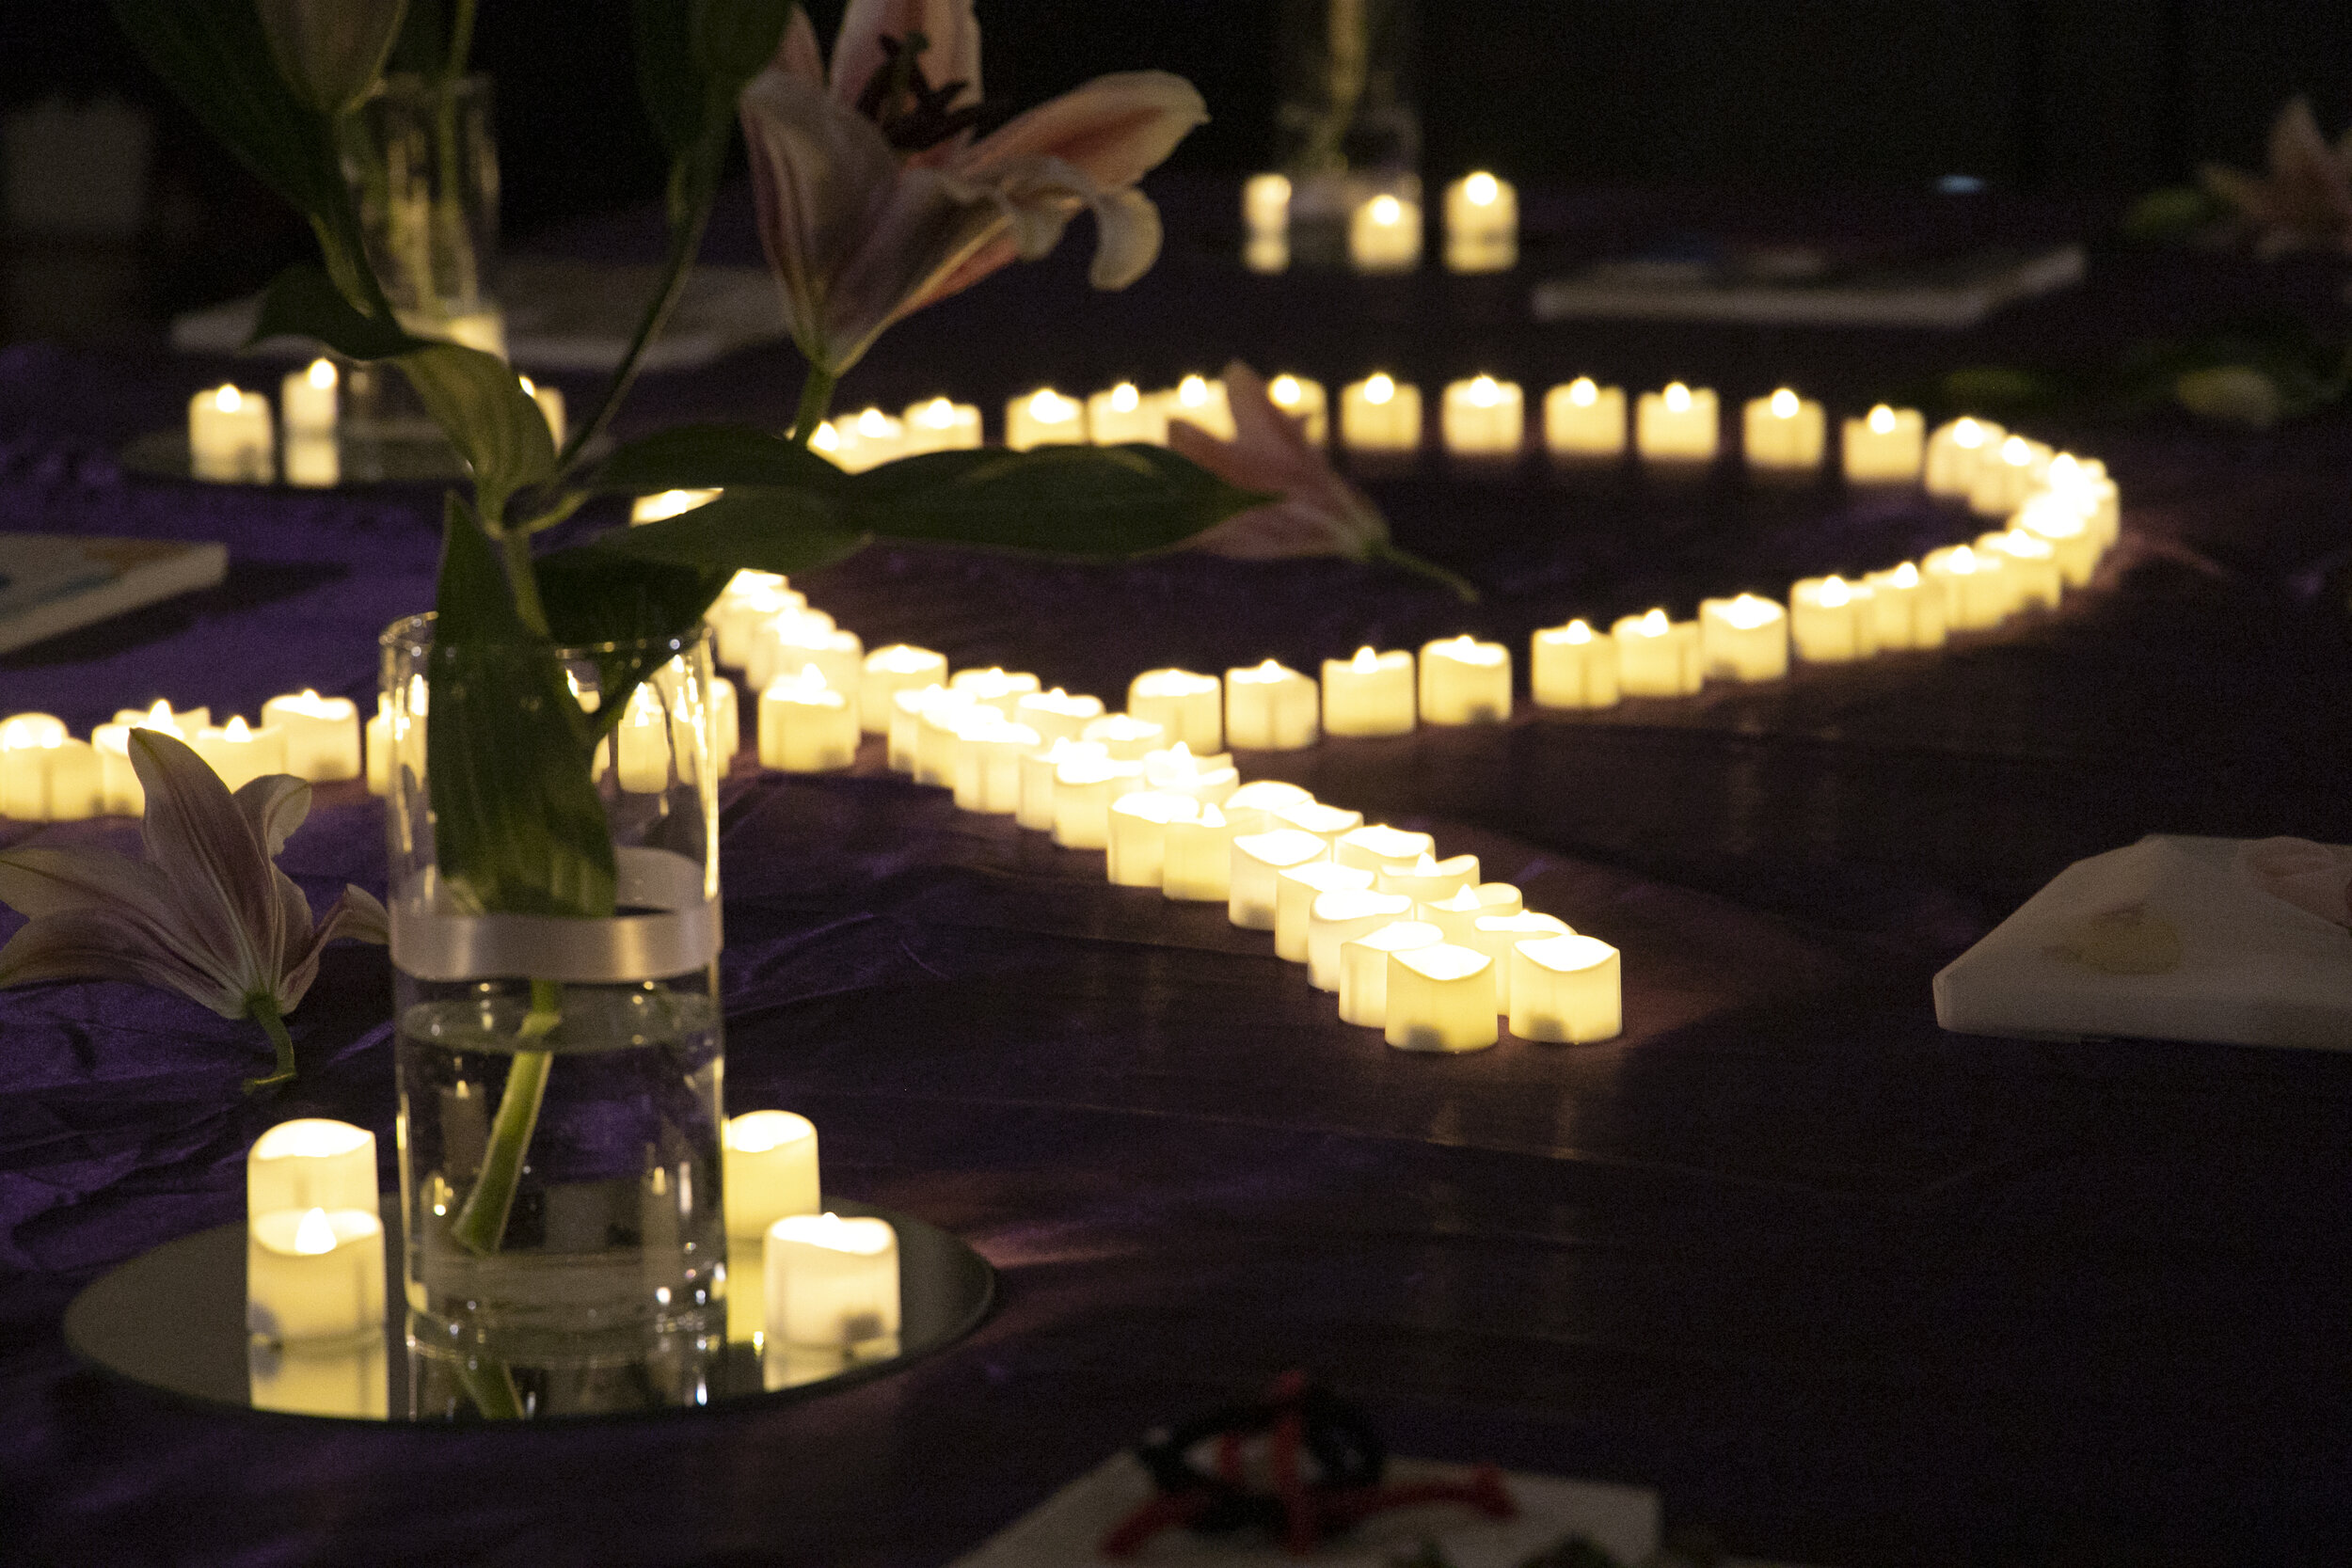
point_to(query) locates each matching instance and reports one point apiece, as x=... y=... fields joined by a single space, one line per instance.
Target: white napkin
x=2257 y=966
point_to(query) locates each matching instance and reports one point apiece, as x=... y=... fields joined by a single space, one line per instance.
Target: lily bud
x=330 y=51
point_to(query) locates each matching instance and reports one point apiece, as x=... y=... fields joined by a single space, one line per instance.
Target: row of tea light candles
x=1481 y=213
x=232 y=435
x=315 y=1263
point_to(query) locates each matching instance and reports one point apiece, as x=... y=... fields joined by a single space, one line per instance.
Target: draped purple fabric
x=1845 y=1288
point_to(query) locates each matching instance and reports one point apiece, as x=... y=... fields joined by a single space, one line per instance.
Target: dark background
x=2044 y=96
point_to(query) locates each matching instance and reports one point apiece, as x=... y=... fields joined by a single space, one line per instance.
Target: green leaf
x=517 y=825
x=598 y=595
x=693 y=57
x=699 y=456
x=302 y=302
x=1092 y=502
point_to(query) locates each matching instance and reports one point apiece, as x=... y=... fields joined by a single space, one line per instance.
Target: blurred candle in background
x=1124 y=414
x=1269 y=707
x=1057 y=715
x=889 y=671
x=1199 y=401
x=940 y=425
x=1196 y=858
x=1906 y=610
x=1380 y=414
x=1887 y=446
x=1189 y=706
x=1570 y=667
x=306 y=399
x=1464 y=681
x=1832 y=621
x=1743 y=639
x=1383 y=234
x=1584 y=420
x=1265 y=215
x=1302 y=399
x=1657 y=658
x=1783 y=433
x=1482 y=224
x=1677 y=425
x=1045 y=418
x=1482 y=417
x=1371 y=694
x=1954 y=452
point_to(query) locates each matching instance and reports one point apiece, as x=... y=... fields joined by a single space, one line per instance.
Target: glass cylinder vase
x=560 y=1076
x=1347 y=130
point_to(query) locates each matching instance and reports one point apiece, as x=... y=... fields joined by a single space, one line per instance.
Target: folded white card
x=2253 y=968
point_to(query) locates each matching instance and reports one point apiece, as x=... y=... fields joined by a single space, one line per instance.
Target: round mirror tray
x=174 y=1320
x=315 y=463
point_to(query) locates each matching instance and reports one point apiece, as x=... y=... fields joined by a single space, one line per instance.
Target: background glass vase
x=1348 y=125
x=560 y=1179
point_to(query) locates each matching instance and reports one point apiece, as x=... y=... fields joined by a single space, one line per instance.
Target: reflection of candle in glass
x=1482 y=224
x=1371 y=694
x=1440 y=998
x=1657 y=658
x=1383 y=234
x=1124 y=414
x=1196 y=858
x=1464 y=681
x=1677 y=424
x=1043 y=418
x=1380 y=414
x=1570 y=667
x=1301 y=399
x=306 y=399
x=833 y=1282
x=1584 y=420
x=1364 y=968
x=1783 y=432
x=940 y=425
x=1199 y=401
x=1565 y=988
x=1190 y=707
x=1270 y=709
x=1744 y=639
x=1884 y=447
x=769 y=1170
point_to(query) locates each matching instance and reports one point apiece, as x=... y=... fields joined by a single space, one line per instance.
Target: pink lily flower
x=875 y=200
x=206 y=913
x=2305 y=198
x=1314 y=511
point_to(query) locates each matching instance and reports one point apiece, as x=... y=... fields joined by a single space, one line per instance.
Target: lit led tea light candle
x=805 y=726
x=1783 y=433
x=1832 y=621
x=1886 y=445
x=1256 y=860
x=1458 y=913
x=1085 y=789
x=739 y=616
x=1265 y=206
x=240 y=755
x=988 y=762
x=1482 y=224
x=1124 y=414
x=1137 y=852
x=1744 y=639
x=940 y=425
x=1566 y=988
x=1464 y=681
x=1679 y=424
x=322 y=735
x=1657 y=658
x=765 y=634
x=306 y=399
x=1383 y=234
x=939 y=716
x=1302 y=399
x=314 y=1274
x=1440 y=998
x=889 y=671
x=1376 y=844
x=1427 y=880
x=1340 y=916
x=27 y=741
x=1257 y=807
x=1057 y=715
x=663 y=505
x=1906 y=610
x=1126 y=738
x=1583 y=419
x=1199 y=401
x=995 y=687
x=1207 y=781
x=311 y=1162
x=789 y=643
x=229 y=435
x=1364 y=968
x=1570 y=667
x=1295 y=889
x=1495 y=935
x=2032 y=565
x=869 y=439
x=550 y=402
x=1327 y=823
x=768 y=1165
x=1954 y=453
x=120 y=792
x=1038 y=769
x=1976 y=588
x=1371 y=694
x=1045 y=418
x=1197 y=858
x=1482 y=417
x=832 y=1283
x=2003 y=479
x=1380 y=414
x=1271 y=707
x=641 y=744
x=1190 y=707
x=903 y=738
x=184 y=722
x=2062 y=522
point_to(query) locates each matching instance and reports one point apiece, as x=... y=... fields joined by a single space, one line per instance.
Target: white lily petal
x=105 y=944
x=37 y=881
x=796 y=54
x=197 y=836
x=274 y=806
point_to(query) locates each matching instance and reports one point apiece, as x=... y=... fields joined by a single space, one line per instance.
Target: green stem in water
x=816 y=398
x=1383 y=552
x=491 y=1386
x=482 y=1221
x=262 y=1008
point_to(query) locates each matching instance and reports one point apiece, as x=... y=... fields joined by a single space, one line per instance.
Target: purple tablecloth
x=1845 y=1288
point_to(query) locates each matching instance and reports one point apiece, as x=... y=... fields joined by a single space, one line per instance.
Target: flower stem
x=482 y=1221
x=684 y=246
x=1380 y=550
x=262 y=1008
x=816 y=398
x=522 y=581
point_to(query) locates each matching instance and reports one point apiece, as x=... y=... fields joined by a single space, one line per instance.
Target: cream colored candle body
x=1256 y=860
x=1782 y=434
x=1569 y=667
x=1200 y=401
x=1038 y=769
x=1084 y=790
x=1295 y=889
x=1832 y=621
x=805 y=727
x=1383 y=234
x=314 y=1275
x=1679 y=424
x=322 y=735
x=1482 y=417
x=1341 y=917
x=1057 y=715
x=1886 y=445
x=1190 y=707
x=1482 y=224
x=1440 y=998
x=1327 y=823
x=1585 y=420
x=1657 y=658
x=1269 y=707
x=996 y=687
x=869 y=439
x=1371 y=694
x=1378 y=844
x=1495 y=935
x=306 y=399
x=1458 y=913
x=2062 y=522
x=1197 y=858
x=2031 y=564
x=940 y=425
x=229 y=435
x=1427 y=880
x=1126 y=738
x=1464 y=681
x=311 y=1162
x=1566 y=988
x=1976 y=588
x=1124 y=414
x=1906 y=610
x=1257 y=807
x=1207 y=779
x=1744 y=639
x=2011 y=472
x=769 y=1167
x=1364 y=968
x=832 y=1283
x=239 y=754
x=1045 y=418
x=640 y=743
x=1138 y=849
x=989 y=750
x=1954 y=452
x=941 y=713
x=1380 y=414
x=1303 y=399
x=889 y=671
